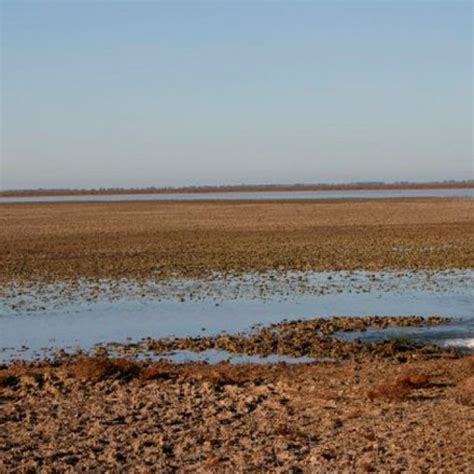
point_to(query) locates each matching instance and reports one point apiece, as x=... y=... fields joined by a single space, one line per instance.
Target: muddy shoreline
x=314 y=338
x=294 y=341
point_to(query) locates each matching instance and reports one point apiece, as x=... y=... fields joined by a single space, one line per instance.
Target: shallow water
x=457 y=333
x=237 y=305
x=388 y=193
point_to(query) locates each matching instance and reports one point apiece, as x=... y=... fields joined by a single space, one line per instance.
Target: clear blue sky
x=132 y=93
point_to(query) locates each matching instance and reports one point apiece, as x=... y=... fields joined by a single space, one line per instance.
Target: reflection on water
x=388 y=193
x=82 y=323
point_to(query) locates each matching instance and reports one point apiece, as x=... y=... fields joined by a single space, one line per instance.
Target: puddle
x=193 y=308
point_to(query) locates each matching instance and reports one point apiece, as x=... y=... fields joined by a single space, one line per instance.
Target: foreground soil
x=105 y=415
x=57 y=241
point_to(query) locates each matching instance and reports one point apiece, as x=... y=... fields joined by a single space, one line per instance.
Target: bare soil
x=100 y=415
x=137 y=240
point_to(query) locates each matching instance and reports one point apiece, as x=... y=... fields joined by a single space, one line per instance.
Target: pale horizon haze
x=158 y=93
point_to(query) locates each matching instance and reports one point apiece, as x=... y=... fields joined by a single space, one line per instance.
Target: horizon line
x=357 y=185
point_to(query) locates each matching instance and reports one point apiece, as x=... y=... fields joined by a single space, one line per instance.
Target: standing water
x=196 y=307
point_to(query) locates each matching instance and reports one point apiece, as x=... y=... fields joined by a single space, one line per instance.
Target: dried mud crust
x=312 y=337
x=106 y=415
x=138 y=240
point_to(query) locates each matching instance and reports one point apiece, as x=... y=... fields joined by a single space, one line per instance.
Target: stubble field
x=157 y=239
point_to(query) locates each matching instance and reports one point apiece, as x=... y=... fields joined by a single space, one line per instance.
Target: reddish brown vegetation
x=413 y=379
x=400 y=388
x=465 y=392
x=95 y=368
x=98 y=368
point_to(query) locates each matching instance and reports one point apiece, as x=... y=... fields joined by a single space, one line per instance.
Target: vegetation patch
x=98 y=368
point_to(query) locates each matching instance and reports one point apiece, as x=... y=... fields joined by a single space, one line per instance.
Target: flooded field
x=78 y=275
x=250 y=326
x=61 y=317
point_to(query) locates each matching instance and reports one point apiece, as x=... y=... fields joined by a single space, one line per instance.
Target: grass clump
x=465 y=392
x=96 y=368
x=400 y=388
x=157 y=372
x=8 y=379
x=401 y=341
x=412 y=379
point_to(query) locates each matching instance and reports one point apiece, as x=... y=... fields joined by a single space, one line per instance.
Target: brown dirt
x=199 y=418
x=54 y=241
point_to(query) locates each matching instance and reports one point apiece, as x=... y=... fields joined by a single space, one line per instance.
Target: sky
x=155 y=93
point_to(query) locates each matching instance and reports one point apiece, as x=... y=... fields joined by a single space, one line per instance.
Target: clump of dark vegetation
x=8 y=379
x=401 y=341
x=157 y=372
x=101 y=368
x=97 y=368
